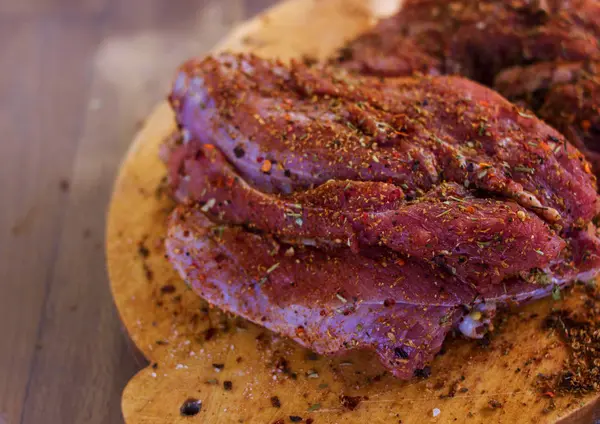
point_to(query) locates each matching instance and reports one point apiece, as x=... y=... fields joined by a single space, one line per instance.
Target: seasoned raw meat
x=333 y=300
x=350 y=212
x=479 y=38
x=330 y=301
x=386 y=52
x=540 y=53
x=288 y=129
x=484 y=240
x=566 y=95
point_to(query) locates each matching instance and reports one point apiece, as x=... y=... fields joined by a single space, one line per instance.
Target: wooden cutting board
x=231 y=371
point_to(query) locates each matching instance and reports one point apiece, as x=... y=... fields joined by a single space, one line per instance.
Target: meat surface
x=386 y=52
x=479 y=38
x=566 y=95
x=350 y=212
x=544 y=54
x=402 y=309
x=289 y=129
x=364 y=214
x=366 y=303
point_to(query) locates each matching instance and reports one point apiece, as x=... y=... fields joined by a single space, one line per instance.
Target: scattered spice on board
x=494 y=404
x=143 y=251
x=190 y=407
x=579 y=328
x=210 y=333
x=167 y=289
x=228 y=385
x=148 y=273
x=275 y=402
x=424 y=372
x=351 y=402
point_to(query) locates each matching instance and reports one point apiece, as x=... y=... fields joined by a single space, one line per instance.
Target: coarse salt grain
x=436 y=412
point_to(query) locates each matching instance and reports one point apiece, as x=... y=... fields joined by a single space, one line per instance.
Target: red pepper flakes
x=545 y=147
x=266 y=166
x=585 y=124
x=549 y=394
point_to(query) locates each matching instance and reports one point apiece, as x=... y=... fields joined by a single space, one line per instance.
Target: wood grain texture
x=77 y=79
x=195 y=349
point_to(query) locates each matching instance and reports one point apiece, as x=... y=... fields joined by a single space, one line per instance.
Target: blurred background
x=77 y=79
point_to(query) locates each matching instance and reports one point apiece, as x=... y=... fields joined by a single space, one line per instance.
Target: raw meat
x=484 y=240
x=331 y=300
x=350 y=212
x=288 y=129
x=479 y=38
x=566 y=95
x=544 y=54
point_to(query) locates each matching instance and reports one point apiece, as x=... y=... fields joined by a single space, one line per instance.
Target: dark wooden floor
x=76 y=79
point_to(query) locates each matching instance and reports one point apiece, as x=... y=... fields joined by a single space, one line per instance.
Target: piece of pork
x=538 y=53
x=483 y=241
x=332 y=300
x=566 y=95
x=290 y=128
x=385 y=52
x=452 y=198
x=478 y=38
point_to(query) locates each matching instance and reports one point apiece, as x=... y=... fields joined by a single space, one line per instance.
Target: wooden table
x=76 y=80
